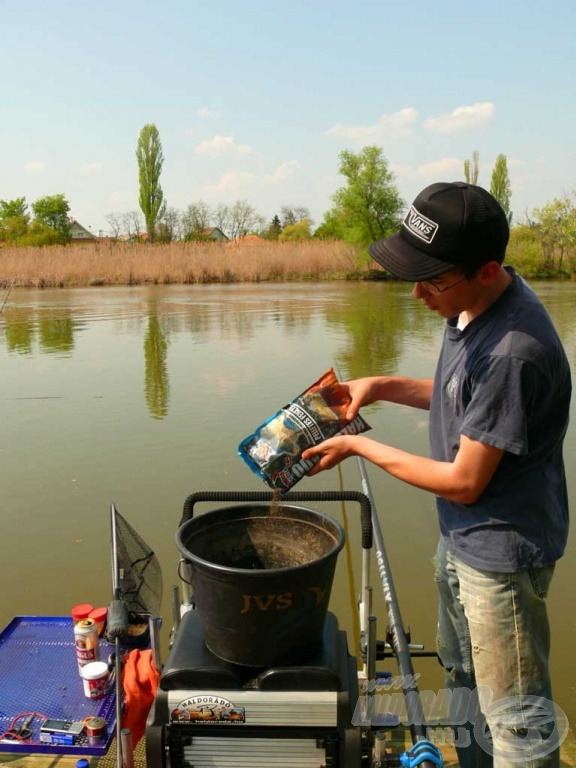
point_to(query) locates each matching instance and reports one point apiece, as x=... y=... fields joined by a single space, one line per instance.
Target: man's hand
x=331 y=452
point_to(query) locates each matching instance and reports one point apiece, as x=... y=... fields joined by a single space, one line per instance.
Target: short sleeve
x=502 y=391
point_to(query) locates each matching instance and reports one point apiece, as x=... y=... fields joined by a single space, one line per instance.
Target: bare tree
x=171 y=224
x=244 y=219
x=132 y=224
x=222 y=218
x=196 y=220
x=294 y=214
x=115 y=223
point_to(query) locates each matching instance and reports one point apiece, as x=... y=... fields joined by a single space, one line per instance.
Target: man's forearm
x=416 y=393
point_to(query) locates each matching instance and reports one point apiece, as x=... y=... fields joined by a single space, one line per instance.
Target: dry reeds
x=178 y=262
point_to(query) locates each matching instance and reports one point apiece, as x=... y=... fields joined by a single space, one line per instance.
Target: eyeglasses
x=432 y=287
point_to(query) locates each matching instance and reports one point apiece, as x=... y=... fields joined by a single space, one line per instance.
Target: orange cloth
x=140 y=683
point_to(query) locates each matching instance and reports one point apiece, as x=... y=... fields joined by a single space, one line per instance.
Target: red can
x=86 y=642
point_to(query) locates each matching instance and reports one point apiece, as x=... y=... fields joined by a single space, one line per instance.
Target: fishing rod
x=7 y=295
x=424 y=753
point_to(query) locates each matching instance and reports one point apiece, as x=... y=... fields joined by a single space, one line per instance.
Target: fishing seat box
x=304 y=709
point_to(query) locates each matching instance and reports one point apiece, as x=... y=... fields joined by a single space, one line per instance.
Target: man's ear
x=489 y=272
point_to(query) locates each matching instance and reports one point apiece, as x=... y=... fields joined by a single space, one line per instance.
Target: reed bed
x=179 y=263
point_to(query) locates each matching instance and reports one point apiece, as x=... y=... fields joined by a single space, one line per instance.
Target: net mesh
x=139 y=572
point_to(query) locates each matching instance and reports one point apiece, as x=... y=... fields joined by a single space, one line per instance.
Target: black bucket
x=261 y=580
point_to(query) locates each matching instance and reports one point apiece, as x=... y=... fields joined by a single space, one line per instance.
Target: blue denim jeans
x=494 y=641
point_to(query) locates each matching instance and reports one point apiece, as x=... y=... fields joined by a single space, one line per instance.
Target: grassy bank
x=62 y=266
x=135 y=264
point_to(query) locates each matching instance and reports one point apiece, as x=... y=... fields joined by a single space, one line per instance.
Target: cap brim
x=406 y=262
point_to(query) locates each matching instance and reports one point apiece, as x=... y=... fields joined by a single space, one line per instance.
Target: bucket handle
x=299 y=496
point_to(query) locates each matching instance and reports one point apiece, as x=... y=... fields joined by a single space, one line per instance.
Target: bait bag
x=274 y=450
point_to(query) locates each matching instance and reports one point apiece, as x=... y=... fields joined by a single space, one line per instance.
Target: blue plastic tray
x=39 y=673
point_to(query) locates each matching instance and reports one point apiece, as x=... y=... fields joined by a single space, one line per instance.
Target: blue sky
x=255 y=100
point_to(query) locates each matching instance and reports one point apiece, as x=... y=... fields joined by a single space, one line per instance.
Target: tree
x=274 y=229
x=115 y=223
x=196 y=220
x=500 y=185
x=368 y=208
x=14 y=219
x=332 y=227
x=132 y=225
x=293 y=214
x=298 y=231
x=169 y=227
x=10 y=208
x=53 y=212
x=150 y=160
x=556 y=223
x=471 y=169
x=238 y=220
x=13 y=227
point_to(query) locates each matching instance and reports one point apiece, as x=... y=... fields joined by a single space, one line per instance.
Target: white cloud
x=89 y=168
x=446 y=169
x=462 y=118
x=34 y=165
x=222 y=145
x=240 y=184
x=206 y=113
x=393 y=125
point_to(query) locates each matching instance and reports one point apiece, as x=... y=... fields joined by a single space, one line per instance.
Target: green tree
x=274 y=229
x=471 y=169
x=13 y=228
x=298 y=231
x=556 y=224
x=150 y=161
x=500 y=185
x=53 y=211
x=332 y=227
x=369 y=206
x=11 y=208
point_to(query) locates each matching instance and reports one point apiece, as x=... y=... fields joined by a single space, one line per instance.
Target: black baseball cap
x=448 y=225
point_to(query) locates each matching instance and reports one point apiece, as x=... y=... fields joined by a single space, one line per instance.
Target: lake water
x=140 y=396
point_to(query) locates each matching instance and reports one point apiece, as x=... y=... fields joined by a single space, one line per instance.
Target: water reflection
x=54 y=331
x=19 y=334
x=377 y=323
x=156 y=383
x=56 y=334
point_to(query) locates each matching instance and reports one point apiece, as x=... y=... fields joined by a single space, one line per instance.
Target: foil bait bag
x=274 y=450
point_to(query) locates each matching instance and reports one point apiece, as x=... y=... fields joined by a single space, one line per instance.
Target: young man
x=498 y=407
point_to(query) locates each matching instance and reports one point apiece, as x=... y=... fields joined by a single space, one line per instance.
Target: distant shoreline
x=180 y=263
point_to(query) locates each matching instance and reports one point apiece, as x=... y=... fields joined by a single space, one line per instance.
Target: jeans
x=494 y=641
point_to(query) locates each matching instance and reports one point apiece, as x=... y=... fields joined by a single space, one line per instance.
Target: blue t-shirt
x=504 y=380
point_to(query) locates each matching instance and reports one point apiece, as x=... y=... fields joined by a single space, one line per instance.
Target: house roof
x=248 y=240
x=75 y=225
